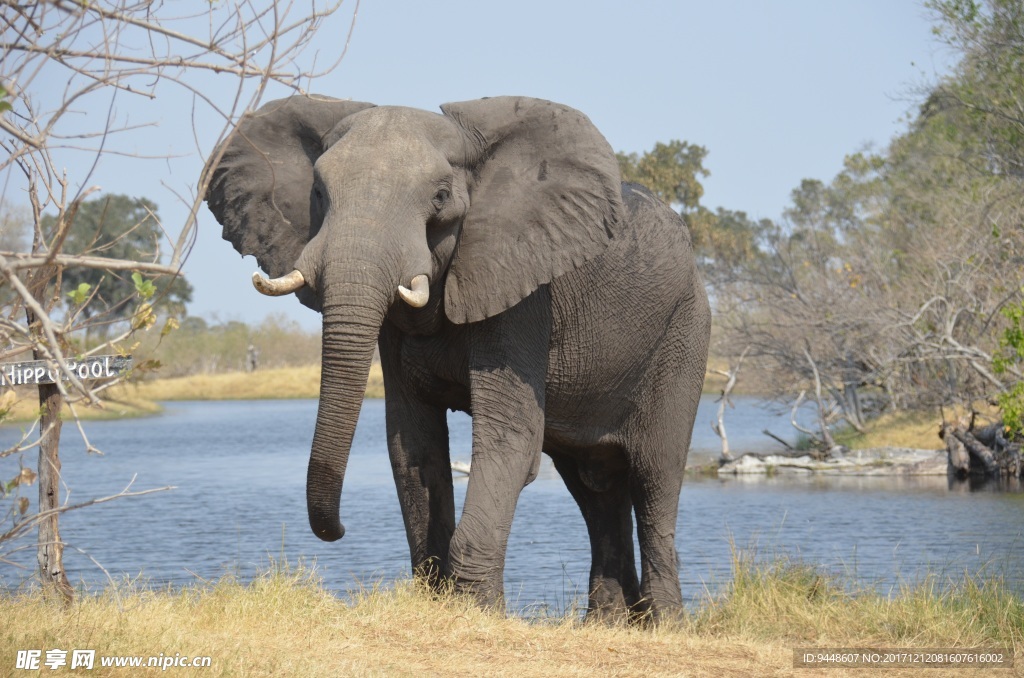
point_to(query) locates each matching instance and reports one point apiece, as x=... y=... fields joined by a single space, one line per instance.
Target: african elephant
x=505 y=271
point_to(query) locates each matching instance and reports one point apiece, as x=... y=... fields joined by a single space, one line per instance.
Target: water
x=239 y=471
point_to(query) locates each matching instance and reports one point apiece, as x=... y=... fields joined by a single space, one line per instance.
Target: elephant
x=503 y=269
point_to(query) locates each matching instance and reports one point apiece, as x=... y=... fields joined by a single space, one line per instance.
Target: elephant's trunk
x=353 y=311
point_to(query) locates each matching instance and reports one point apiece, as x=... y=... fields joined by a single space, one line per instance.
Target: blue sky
x=776 y=91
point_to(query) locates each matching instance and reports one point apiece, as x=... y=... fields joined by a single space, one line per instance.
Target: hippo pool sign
x=46 y=372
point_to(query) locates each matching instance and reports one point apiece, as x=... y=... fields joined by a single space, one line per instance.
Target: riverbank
x=286 y=624
x=271 y=384
x=141 y=398
x=901 y=444
x=22 y=406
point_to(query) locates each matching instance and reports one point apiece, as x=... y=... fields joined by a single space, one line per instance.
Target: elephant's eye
x=441 y=197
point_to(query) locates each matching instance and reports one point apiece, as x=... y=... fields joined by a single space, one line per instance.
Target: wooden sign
x=45 y=372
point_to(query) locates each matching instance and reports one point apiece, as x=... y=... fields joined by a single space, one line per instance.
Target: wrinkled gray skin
x=565 y=315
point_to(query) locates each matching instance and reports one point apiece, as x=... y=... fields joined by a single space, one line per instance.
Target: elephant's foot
x=432 y=574
x=608 y=615
x=611 y=604
x=660 y=610
x=484 y=593
x=661 y=615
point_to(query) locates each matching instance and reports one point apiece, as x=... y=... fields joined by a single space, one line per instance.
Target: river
x=239 y=470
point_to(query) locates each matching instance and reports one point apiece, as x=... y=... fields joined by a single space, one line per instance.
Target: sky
x=776 y=91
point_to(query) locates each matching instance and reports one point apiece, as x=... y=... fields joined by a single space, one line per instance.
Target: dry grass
x=140 y=398
x=918 y=430
x=24 y=407
x=910 y=429
x=287 y=382
x=285 y=624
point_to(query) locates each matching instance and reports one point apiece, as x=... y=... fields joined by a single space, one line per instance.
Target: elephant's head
x=367 y=211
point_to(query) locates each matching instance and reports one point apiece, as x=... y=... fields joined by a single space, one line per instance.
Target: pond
x=239 y=470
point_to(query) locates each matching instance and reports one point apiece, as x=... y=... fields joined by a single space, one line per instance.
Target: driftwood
x=790 y=453
x=777 y=438
x=981 y=451
x=879 y=461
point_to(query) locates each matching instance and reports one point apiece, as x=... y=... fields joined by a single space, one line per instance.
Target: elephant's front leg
x=420 y=461
x=421 y=464
x=508 y=366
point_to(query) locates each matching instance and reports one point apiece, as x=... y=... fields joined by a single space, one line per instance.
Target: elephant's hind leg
x=658 y=441
x=654 y=488
x=614 y=593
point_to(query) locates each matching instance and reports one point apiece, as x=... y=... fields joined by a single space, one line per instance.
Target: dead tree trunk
x=719 y=426
x=823 y=424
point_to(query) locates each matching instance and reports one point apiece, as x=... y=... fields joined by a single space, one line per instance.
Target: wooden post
x=50 y=548
x=50 y=553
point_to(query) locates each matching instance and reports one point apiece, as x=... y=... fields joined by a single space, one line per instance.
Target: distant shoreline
x=285 y=383
x=904 y=430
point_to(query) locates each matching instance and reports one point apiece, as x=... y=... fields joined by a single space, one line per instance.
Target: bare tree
x=807 y=311
x=65 y=68
x=884 y=289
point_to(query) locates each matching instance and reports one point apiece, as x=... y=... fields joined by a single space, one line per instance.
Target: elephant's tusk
x=275 y=287
x=418 y=296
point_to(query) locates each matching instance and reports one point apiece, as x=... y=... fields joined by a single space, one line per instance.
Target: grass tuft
x=786 y=599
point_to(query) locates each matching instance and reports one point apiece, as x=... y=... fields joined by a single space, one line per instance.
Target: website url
x=36 y=660
x=163 y=662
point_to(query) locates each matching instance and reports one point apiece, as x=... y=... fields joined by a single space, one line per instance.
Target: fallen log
x=981 y=451
x=959 y=459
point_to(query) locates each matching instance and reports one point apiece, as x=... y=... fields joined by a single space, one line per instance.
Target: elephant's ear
x=260 y=189
x=545 y=198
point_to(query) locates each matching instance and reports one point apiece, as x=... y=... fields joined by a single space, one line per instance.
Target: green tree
x=124 y=228
x=670 y=170
x=1006 y=361
x=733 y=244
x=723 y=239
x=980 y=112
x=988 y=83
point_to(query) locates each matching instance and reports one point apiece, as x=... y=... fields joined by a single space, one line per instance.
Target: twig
x=775 y=437
x=28 y=523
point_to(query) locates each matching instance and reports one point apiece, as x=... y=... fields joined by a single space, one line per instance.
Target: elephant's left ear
x=545 y=198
